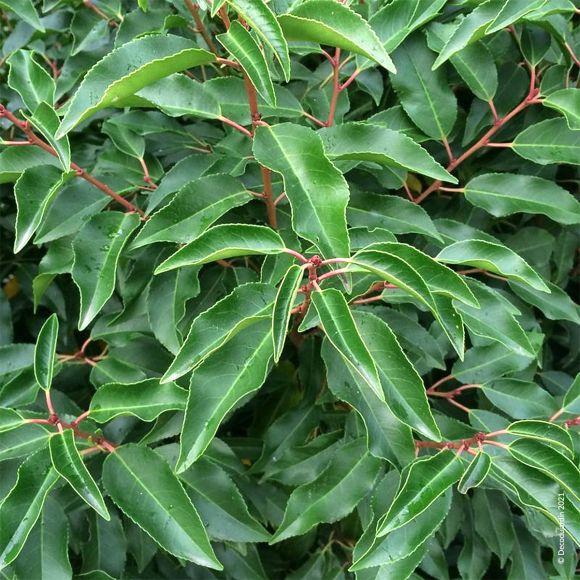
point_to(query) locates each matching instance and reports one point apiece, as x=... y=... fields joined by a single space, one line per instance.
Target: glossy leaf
x=24 y=9
x=502 y=194
x=128 y=69
x=45 y=352
x=29 y=79
x=96 y=249
x=317 y=191
x=544 y=431
x=567 y=102
x=68 y=462
x=475 y=473
x=146 y=399
x=225 y=241
x=494 y=258
x=519 y=399
x=327 y=22
x=163 y=509
x=283 y=307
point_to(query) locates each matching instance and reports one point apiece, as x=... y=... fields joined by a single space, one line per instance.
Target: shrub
x=289 y=294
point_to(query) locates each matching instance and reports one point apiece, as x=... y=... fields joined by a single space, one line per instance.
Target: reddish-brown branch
x=35 y=140
x=448 y=150
x=314 y=119
x=200 y=26
x=335 y=87
x=350 y=79
x=236 y=126
x=491 y=104
x=89 y=4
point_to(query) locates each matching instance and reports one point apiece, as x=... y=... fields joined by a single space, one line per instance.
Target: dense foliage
x=288 y=289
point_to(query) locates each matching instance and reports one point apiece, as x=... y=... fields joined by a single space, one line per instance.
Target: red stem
x=335 y=87
x=236 y=126
x=194 y=10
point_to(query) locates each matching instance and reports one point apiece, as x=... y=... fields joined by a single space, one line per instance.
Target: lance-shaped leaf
x=334 y=24
x=220 y=504
x=403 y=388
x=439 y=278
x=334 y=494
x=404 y=541
x=242 y=365
x=142 y=484
x=197 y=205
x=45 y=352
x=422 y=483
x=495 y=319
x=425 y=94
x=387 y=436
x=45 y=553
x=502 y=194
x=519 y=399
x=550 y=141
x=22 y=506
x=15 y=357
x=544 y=431
x=34 y=191
x=124 y=139
x=24 y=9
x=29 y=79
x=398 y=215
x=556 y=306
x=46 y=121
x=9 y=420
x=283 y=307
x=68 y=462
x=567 y=102
x=317 y=191
x=126 y=70
x=246 y=305
x=225 y=241
x=242 y=46
x=548 y=460
x=512 y=12
x=341 y=330
x=177 y=95
x=494 y=258
x=571 y=402
x=366 y=142
x=97 y=248
x=146 y=399
x=470 y=29
x=475 y=473
x=263 y=22
x=23 y=441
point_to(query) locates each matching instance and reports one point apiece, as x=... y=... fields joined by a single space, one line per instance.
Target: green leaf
x=317 y=191
x=15 y=160
x=495 y=319
x=470 y=29
x=97 y=248
x=475 y=473
x=45 y=553
x=22 y=441
x=9 y=420
x=511 y=12
x=398 y=215
x=22 y=506
x=519 y=399
x=283 y=307
x=29 y=79
x=366 y=142
x=109 y=559
x=126 y=70
x=549 y=461
x=24 y=9
x=45 y=352
x=572 y=398
x=494 y=258
x=69 y=464
x=334 y=24
x=225 y=241
x=46 y=121
x=550 y=141
x=334 y=494
x=145 y=399
x=422 y=483
x=124 y=139
x=403 y=388
x=220 y=504
x=15 y=357
x=544 y=431
x=246 y=305
x=263 y=22
x=177 y=95
x=242 y=365
x=144 y=487
x=502 y=194
x=189 y=213
x=341 y=330
x=34 y=191
x=556 y=306
x=425 y=94
x=566 y=102
x=241 y=45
